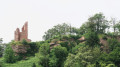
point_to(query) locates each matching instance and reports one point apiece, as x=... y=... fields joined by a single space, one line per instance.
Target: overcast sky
x=44 y=14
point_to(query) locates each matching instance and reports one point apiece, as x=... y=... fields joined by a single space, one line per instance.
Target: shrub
x=1 y=64
x=75 y=49
x=104 y=37
x=43 y=55
x=58 y=55
x=24 y=42
x=33 y=65
x=113 y=43
x=9 y=55
x=91 y=39
x=111 y=65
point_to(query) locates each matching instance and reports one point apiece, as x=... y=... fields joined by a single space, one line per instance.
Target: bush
x=104 y=37
x=75 y=49
x=1 y=64
x=43 y=55
x=58 y=55
x=33 y=65
x=9 y=55
x=91 y=39
x=24 y=42
x=111 y=65
x=75 y=37
x=113 y=43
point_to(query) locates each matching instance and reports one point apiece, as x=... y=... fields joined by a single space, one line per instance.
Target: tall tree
x=97 y=23
x=59 y=30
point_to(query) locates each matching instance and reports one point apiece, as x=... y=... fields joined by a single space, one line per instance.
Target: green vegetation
x=9 y=55
x=22 y=63
x=91 y=45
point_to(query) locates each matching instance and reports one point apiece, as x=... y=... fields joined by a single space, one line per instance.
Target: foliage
x=111 y=65
x=83 y=58
x=53 y=61
x=1 y=47
x=97 y=23
x=59 y=54
x=33 y=65
x=117 y=27
x=2 y=64
x=75 y=49
x=83 y=29
x=113 y=43
x=43 y=55
x=110 y=60
x=114 y=56
x=24 y=42
x=9 y=55
x=92 y=39
x=33 y=48
x=59 y=30
x=68 y=45
x=22 y=63
x=104 y=37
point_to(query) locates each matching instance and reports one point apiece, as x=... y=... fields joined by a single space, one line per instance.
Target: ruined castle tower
x=19 y=36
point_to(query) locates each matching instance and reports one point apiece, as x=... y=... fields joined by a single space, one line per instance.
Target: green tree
x=83 y=29
x=59 y=30
x=9 y=55
x=113 y=43
x=43 y=55
x=114 y=56
x=1 y=47
x=91 y=39
x=84 y=57
x=117 y=27
x=59 y=53
x=98 y=23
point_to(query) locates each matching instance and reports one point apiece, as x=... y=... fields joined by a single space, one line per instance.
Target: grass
x=22 y=63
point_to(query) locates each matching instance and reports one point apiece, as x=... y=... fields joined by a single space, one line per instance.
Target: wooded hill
x=95 y=44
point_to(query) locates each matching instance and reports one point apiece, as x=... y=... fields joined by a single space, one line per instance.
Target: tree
x=113 y=22
x=1 y=47
x=97 y=23
x=34 y=47
x=84 y=57
x=91 y=39
x=9 y=55
x=83 y=29
x=113 y=43
x=59 y=30
x=60 y=54
x=114 y=56
x=43 y=55
x=117 y=27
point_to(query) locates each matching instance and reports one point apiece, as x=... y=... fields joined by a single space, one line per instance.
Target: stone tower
x=19 y=36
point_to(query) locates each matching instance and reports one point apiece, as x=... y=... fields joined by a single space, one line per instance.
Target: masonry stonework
x=19 y=36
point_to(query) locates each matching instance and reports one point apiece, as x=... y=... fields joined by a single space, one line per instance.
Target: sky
x=44 y=14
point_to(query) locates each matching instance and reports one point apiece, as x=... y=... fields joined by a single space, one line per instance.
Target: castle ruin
x=19 y=36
